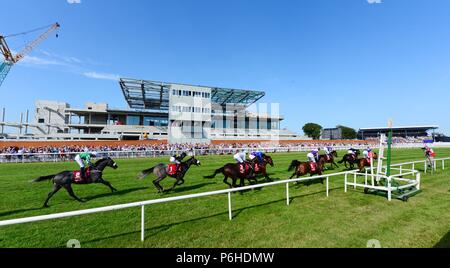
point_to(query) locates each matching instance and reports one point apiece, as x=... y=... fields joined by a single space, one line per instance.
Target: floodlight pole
x=389 y=153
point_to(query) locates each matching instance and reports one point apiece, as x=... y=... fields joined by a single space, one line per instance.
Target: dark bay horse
x=236 y=172
x=330 y=159
x=67 y=178
x=261 y=168
x=363 y=162
x=350 y=159
x=161 y=172
x=304 y=168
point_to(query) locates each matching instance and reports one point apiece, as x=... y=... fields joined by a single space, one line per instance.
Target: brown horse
x=242 y=172
x=303 y=168
x=261 y=168
x=363 y=162
x=330 y=159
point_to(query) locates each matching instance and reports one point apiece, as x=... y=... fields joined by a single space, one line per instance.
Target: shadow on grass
x=13 y=212
x=444 y=243
x=109 y=194
x=150 y=232
x=180 y=189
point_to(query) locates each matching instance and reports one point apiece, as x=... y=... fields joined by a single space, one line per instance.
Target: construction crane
x=11 y=59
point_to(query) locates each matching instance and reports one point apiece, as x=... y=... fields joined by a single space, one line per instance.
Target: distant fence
x=69 y=156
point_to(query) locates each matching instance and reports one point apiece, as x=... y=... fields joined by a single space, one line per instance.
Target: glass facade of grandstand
x=178 y=113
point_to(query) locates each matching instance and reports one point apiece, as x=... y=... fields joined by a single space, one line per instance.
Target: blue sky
x=347 y=62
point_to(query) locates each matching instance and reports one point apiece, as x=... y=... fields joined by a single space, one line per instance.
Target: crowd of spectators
x=69 y=152
x=161 y=147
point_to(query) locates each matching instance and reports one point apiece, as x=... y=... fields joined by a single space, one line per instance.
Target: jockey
x=84 y=159
x=240 y=157
x=312 y=156
x=328 y=150
x=352 y=152
x=257 y=155
x=428 y=151
x=176 y=159
x=367 y=152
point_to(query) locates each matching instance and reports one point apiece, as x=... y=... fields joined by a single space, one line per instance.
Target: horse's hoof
x=45 y=206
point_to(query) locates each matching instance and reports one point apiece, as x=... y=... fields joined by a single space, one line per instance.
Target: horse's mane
x=99 y=161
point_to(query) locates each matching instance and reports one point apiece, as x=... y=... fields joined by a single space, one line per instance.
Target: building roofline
x=404 y=127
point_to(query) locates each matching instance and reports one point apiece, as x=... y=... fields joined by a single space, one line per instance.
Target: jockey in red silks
x=368 y=154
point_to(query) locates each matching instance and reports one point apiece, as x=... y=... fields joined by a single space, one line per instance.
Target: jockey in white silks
x=367 y=153
x=313 y=155
x=240 y=157
x=328 y=150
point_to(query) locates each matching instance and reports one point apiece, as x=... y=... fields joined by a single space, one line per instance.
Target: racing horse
x=261 y=168
x=303 y=168
x=238 y=171
x=330 y=158
x=162 y=171
x=351 y=159
x=363 y=162
x=65 y=179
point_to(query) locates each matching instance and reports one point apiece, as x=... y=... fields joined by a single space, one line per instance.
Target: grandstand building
x=406 y=132
x=178 y=113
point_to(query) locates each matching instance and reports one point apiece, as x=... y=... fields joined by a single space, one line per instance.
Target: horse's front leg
x=334 y=164
x=293 y=175
x=267 y=177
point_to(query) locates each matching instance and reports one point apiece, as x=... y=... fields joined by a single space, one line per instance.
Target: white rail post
x=230 y=214
x=366 y=178
x=142 y=223
x=354 y=180
x=287 y=194
x=328 y=186
x=401 y=169
x=346 y=178
x=413 y=166
x=389 y=189
x=418 y=180
x=425 y=166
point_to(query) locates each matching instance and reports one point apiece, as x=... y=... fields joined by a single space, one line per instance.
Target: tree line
x=314 y=131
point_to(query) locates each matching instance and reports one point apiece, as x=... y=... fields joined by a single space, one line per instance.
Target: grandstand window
x=133 y=120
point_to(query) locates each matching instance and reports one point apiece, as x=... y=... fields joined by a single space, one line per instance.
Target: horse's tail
x=145 y=173
x=220 y=170
x=294 y=164
x=44 y=178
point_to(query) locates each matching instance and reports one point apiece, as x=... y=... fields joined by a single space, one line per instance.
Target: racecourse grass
x=261 y=217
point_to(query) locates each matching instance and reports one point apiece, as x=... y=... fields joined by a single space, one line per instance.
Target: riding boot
x=83 y=173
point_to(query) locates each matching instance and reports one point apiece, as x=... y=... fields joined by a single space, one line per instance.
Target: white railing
x=69 y=156
x=425 y=163
x=388 y=187
x=171 y=199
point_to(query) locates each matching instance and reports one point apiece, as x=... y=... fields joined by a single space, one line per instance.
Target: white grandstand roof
x=401 y=127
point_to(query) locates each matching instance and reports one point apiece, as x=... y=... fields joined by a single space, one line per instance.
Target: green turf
x=261 y=217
